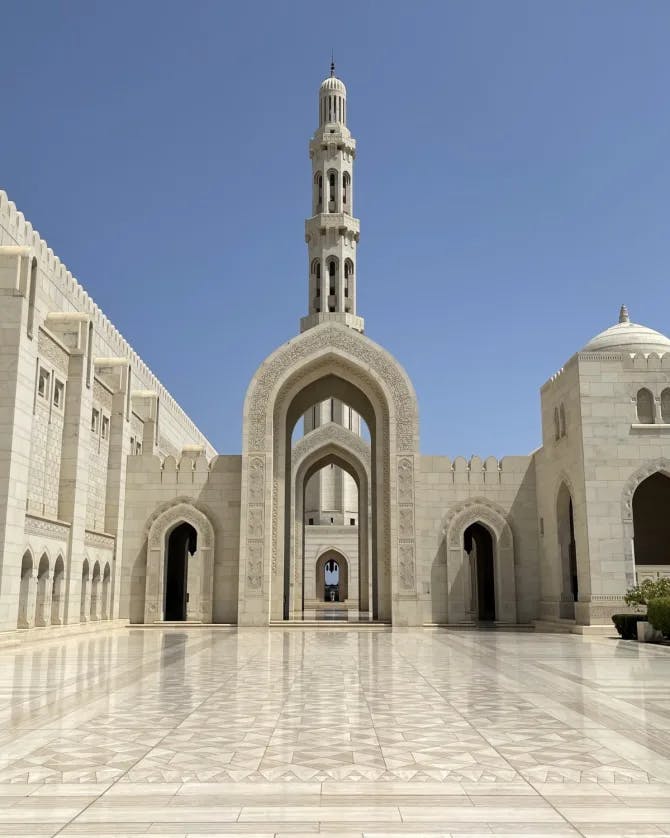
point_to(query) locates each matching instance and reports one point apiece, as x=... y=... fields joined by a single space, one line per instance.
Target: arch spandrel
x=333 y=345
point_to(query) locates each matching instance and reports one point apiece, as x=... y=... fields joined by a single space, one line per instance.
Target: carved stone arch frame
x=326 y=350
x=332 y=443
x=496 y=521
x=201 y=566
x=661 y=465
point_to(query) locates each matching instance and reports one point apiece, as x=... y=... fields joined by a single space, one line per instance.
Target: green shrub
x=649 y=589
x=626 y=624
x=658 y=614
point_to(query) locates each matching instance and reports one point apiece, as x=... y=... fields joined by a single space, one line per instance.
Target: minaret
x=332 y=232
x=332 y=235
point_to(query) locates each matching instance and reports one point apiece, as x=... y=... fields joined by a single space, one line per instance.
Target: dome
x=332 y=84
x=625 y=336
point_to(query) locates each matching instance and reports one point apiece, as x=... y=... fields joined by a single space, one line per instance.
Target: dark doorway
x=651 y=521
x=568 y=553
x=478 y=543
x=182 y=542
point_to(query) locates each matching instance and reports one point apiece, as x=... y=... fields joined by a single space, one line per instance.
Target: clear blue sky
x=512 y=182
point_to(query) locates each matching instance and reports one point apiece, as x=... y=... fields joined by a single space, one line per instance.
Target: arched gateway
x=328 y=361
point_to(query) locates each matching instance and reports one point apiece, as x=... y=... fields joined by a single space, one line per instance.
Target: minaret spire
x=332 y=232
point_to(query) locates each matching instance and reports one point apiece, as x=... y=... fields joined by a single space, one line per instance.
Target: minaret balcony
x=341 y=221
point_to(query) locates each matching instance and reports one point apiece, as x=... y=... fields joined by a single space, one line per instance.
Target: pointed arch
x=660 y=465
x=479 y=510
x=201 y=575
x=355 y=370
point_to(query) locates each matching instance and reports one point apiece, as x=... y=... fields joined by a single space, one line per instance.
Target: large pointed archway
x=333 y=444
x=327 y=361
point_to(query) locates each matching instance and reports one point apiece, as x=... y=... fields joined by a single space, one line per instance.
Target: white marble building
x=113 y=505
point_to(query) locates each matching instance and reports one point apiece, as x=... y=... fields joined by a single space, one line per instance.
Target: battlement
x=23 y=235
x=477 y=470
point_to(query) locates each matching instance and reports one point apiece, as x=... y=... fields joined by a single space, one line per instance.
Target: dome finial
x=332 y=65
x=623 y=315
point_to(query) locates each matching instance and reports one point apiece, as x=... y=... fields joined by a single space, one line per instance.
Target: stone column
x=18 y=349
x=43 y=601
x=76 y=332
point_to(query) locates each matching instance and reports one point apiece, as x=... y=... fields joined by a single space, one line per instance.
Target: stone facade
x=113 y=505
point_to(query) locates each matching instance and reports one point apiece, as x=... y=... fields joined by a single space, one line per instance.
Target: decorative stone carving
x=51 y=351
x=256 y=480
x=102 y=395
x=255 y=521
x=406 y=565
x=405 y=480
x=180 y=510
x=358 y=347
x=255 y=565
x=34 y=525
x=661 y=465
x=331 y=432
x=99 y=539
x=406 y=522
x=468 y=512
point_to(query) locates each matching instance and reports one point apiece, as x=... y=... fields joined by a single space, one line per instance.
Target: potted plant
x=631 y=625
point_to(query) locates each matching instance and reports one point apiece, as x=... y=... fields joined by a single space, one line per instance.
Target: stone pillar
x=32 y=600
x=115 y=372
x=43 y=601
x=18 y=349
x=76 y=332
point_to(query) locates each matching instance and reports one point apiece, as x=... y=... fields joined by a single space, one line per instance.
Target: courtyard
x=340 y=730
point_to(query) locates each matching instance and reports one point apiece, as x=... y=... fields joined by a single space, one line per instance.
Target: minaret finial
x=332 y=64
x=623 y=315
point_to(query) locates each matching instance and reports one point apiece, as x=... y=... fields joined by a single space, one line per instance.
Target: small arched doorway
x=182 y=542
x=332 y=577
x=478 y=544
x=651 y=526
x=568 y=553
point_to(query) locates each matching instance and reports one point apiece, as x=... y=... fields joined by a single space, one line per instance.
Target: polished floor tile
x=337 y=732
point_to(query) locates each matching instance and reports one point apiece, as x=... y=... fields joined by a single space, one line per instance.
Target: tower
x=332 y=235
x=332 y=232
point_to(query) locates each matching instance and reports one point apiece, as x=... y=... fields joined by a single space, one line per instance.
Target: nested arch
x=333 y=554
x=326 y=445
x=491 y=516
x=200 y=577
x=331 y=359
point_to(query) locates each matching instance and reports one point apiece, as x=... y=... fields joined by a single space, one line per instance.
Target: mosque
x=115 y=509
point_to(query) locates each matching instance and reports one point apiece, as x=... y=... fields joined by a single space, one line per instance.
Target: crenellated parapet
x=23 y=236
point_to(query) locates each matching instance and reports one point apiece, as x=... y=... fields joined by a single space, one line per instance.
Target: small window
x=59 y=393
x=332 y=520
x=105 y=427
x=563 y=426
x=331 y=308
x=132 y=444
x=95 y=420
x=645 y=407
x=665 y=406
x=311 y=521
x=43 y=383
x=138 y=447
x=557 y=425
x=352 y=522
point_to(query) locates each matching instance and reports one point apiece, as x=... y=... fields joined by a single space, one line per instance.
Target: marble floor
x=341 y=731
